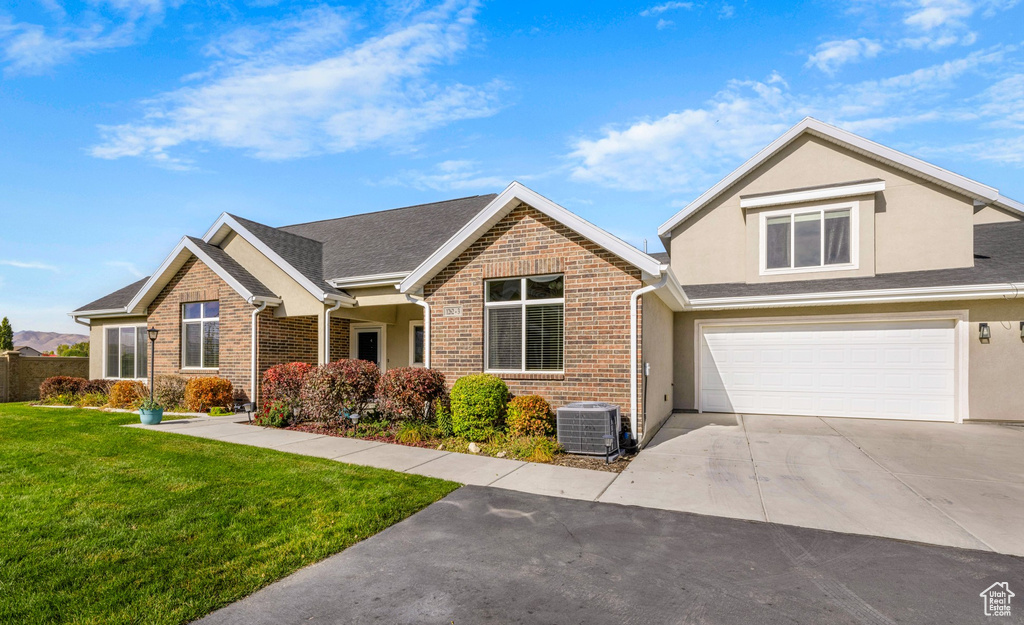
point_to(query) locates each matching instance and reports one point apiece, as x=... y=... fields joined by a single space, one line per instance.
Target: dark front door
x=368 y=345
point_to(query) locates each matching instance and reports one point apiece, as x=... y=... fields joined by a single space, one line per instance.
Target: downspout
x=255 y=313
x=79 y=321
x=634 y=404
x=327 y=330
x=426 y=327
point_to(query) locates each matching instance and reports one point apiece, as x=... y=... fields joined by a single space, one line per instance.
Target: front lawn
x=105 y=524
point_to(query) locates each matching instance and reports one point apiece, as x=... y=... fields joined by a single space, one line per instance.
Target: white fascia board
x=922 y=294
x=672 y=294
x=812 y=195
x=380 y=279
x=1012 y=205
x=501 y=206
x=967 y=186
x=174 y=261
x=100 y=314
x=225 y=222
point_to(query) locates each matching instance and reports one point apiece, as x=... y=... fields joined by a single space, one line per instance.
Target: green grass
x=105 y=524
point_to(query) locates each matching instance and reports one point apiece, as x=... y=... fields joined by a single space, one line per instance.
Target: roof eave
x=968 y=187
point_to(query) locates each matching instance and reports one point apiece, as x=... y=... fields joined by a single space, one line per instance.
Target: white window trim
x=202 y=352
x=119 y=327
x=412 y=344
x=522 y=303
x=854 y=239
x=353 y=344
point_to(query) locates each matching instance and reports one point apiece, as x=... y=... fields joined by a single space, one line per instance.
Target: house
x=25 y=350
x=828 y=275
x=508 y=283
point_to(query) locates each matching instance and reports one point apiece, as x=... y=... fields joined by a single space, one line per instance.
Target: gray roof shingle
x=304 y=254
x=388 y=241
x=231 y=266
x=116 y=300
x=998 y=258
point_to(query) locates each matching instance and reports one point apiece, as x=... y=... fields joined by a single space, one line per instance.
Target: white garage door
x=886 y=370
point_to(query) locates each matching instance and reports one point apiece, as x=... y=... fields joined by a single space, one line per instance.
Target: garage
x=895 y=369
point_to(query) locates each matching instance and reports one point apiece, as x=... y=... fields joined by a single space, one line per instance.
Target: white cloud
x=726 y=11
x=297 y=88
x=663 y=24
x=450 y=175
x=688 y=150
x=667 y=6
x=127 y=266
x=29 y=48
x=833 y=54
x=932 y=14
x=28 y=265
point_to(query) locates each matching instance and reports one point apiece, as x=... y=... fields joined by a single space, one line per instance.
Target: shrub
x=543 y=449
x=204 y=393
x=273 y=414
x=93 y=399
x=478 y=405
x=100 y=386
x=127 y=394
x=530 y=415
x=412 y=432
x=345 y=386
x=409 y=393
x=62 y=399
x=283 y=383
x=63 y=385
x=443 y=415
x=169 y=390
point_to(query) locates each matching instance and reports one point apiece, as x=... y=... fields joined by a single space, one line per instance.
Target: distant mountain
x=46 y=341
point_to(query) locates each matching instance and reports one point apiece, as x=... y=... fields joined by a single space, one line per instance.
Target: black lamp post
x=152 y=332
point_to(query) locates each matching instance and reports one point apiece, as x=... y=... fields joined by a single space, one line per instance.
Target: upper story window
x=809 y=239
x=124 y=352
x=200 y=335
x=524 y=324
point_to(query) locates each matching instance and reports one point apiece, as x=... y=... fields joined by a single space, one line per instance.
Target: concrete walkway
x=540 y=479
x=937 y=483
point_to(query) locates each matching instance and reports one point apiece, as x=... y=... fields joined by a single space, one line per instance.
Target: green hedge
x=478 y=406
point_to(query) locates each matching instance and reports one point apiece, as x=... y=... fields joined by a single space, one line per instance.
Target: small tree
x=78 y=349
x=6 y=336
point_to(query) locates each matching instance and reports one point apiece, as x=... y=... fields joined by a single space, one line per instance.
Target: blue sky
x=125 y=124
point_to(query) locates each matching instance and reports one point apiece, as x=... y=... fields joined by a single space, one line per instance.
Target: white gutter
x=426 y=327
x=875 y=296
x=79 y=321
x=634 y=404
x=327 y=330
x=252 y=350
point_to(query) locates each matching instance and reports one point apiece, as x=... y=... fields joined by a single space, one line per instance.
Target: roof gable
x=498 y=208
x=894 y=158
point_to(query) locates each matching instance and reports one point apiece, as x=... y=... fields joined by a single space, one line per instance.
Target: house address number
x=453 y=311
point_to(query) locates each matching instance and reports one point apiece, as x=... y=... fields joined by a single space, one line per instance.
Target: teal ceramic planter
x=151 y=417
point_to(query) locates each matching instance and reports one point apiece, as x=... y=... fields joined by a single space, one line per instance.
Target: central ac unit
x=583 y=425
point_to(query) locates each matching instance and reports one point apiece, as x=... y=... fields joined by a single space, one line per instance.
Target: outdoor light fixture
x=354 y=418
x=608 y=440
x=984 y=333
x=152 y=332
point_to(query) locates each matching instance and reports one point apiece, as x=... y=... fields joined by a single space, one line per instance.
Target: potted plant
x=150 y=412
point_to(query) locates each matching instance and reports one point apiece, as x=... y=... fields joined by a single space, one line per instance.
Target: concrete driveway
x=487 y=555
x=941 y=483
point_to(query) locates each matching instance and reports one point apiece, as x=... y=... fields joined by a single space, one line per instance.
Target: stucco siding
x=993 y=370
x=297 y=301
x=97 y=341
x=657 y=351
x=917 y=225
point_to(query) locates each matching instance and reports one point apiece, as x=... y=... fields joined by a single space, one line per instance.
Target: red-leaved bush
x=409 y=392
x=61 y=385
x=344 y=386
x=529 y=415
x=283 y=383
x=204 y=393
x=98 y=386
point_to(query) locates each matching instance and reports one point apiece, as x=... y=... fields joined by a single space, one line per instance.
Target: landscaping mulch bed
x=565 y=460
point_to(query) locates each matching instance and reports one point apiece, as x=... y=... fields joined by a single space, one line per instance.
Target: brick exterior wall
x=285 y=339
x=195 y=282
x=598 y=286
x=340 y=334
